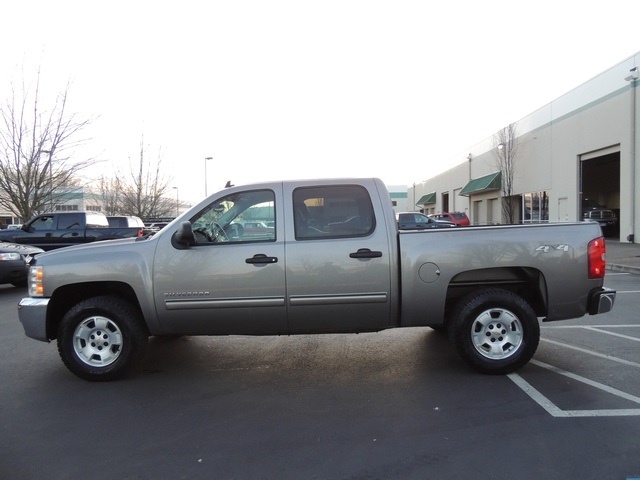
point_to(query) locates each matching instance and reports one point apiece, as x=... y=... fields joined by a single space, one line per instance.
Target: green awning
x=427 y=199
x=493 y=181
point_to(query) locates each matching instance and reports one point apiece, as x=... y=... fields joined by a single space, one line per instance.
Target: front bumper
x=32 y=313
x=601 y=301
x=13 y=271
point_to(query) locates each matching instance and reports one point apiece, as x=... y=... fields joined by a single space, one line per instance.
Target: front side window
x=238 y=217
x=332 y=212
x=43 y=223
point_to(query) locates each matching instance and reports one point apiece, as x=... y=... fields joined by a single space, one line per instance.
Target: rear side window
x=71 y=221
x=332 y=212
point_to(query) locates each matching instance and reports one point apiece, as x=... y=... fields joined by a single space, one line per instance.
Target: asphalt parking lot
x=396 y=404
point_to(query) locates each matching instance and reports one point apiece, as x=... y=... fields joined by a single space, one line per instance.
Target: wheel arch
x=528 y=283
x=65 y=297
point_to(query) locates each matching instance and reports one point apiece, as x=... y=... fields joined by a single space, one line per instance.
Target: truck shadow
x=386 y=356
x=8 y=289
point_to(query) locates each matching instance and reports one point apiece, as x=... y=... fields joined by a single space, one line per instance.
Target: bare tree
x=146 y=194
x=505 y=145
x=111 y=195
x=36 y=147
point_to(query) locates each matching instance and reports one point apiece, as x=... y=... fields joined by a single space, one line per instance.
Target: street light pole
x=50 y=179
x=177 y=202
x=206 y=159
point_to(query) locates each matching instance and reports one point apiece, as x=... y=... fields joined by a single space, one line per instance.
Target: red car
x=459 y=218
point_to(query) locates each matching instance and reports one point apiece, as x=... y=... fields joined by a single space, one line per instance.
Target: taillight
x=597 y=263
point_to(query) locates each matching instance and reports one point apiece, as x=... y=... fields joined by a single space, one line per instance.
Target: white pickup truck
x=329 y=259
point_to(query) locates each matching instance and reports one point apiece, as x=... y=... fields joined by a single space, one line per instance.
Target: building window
x=66 y=208
x=94 y=208
x=535 y=207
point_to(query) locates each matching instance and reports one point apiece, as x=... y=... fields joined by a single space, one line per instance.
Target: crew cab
x=334 y=262
x=63 y=229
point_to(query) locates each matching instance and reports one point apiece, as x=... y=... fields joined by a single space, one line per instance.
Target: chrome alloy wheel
x=497 y=333
x=97 y=341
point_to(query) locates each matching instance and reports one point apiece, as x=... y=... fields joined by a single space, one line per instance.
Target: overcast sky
x=297 y=89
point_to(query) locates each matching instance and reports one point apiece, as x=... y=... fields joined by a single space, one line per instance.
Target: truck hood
x=95 y=247
x=6 y=247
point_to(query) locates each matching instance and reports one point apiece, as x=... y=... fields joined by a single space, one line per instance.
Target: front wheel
x=101 y=338
x=495 y=331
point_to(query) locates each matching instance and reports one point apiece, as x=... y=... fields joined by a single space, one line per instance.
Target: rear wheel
x=495 y=331
x=101 y=338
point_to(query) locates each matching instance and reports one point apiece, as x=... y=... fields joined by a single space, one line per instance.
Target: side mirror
x=183 y=237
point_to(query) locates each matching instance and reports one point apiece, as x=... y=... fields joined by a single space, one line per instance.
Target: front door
x=232 y=279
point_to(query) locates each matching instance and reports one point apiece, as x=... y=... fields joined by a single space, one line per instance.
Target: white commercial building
x=583 y=145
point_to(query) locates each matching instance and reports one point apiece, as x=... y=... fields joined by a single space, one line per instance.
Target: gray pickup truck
x=328 y=258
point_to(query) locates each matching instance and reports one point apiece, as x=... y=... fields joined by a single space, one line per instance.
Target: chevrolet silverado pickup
x=63 y=229
x=333 y=262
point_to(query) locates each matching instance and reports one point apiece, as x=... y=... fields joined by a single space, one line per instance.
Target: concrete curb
x=614 y=267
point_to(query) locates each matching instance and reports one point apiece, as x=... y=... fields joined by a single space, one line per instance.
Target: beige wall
x=589 y=121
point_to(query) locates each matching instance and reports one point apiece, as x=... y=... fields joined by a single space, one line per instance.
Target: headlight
x=36 y=289
x=9 y=256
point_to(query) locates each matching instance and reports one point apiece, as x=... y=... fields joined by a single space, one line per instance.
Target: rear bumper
x=601 y=301
x=32 y=313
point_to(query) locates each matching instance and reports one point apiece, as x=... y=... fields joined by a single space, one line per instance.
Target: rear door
x=71 y=229
x=338 y=260
x=230 y=281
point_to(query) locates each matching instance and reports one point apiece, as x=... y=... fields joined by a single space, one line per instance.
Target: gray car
x=419 y=221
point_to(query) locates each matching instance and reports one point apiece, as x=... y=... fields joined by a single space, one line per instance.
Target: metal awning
x=427 y=199
x=490 y=182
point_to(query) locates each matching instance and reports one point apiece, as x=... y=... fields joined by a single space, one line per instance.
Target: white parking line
x=619 y=335
x=557 y=412
x=594 y=354
x=565 y=327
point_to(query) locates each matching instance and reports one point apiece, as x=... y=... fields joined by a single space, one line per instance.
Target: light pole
x=177 y=202
x=50 y=179
x=206 y=159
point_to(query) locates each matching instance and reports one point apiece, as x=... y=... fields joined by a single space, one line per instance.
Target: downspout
x=632 y=79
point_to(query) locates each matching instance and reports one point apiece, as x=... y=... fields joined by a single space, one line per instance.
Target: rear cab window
x=334 y=211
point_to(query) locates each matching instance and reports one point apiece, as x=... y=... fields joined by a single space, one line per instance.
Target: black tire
x=495 y=331
x=101 y=338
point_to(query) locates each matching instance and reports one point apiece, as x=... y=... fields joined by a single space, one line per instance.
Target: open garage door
x=600 y=189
